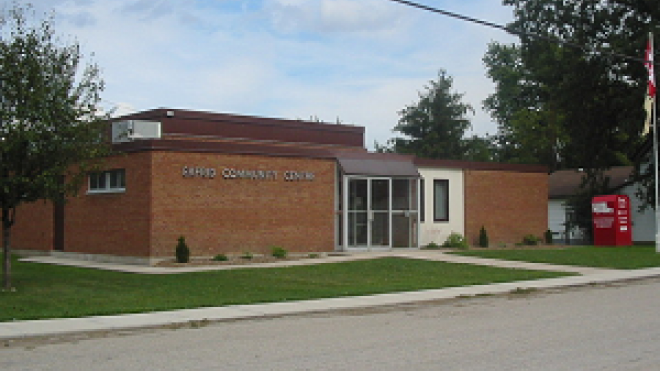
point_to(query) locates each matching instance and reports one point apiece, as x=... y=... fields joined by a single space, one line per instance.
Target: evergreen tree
x=435 y=126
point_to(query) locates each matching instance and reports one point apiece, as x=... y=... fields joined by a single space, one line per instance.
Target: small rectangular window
x=93 y=181
x=440 y=200
x=116 y=179
x=111 y=181
x=422 y=206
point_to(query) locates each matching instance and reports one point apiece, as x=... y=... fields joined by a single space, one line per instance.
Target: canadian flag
x=648 y=61
x=650 y=97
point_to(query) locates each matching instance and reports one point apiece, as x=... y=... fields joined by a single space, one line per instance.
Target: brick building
x=232 y=184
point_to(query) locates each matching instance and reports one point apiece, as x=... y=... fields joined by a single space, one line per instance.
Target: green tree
x=574 y=103
x=528 y=130
x=435 y=126
x=49 y=119
x=480 y=149
x=591 y=95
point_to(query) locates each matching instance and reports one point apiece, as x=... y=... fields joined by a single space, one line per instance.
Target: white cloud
x=330 y=15
x=358 y=60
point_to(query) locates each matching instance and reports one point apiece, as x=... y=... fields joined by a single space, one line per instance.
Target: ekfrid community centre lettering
x=230 y=173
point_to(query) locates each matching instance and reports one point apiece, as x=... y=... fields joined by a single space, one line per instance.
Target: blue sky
x=361 y=61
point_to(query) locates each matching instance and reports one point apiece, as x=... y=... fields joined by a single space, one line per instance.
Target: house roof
x=564 y=183
x=484 y=166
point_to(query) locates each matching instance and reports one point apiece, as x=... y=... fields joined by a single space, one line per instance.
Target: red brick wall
x=215 y=215
x=115 y=224
x=508 y=204
x=237 y=215
x=33 y=229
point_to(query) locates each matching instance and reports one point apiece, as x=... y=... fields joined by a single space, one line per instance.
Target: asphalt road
x=593 y=328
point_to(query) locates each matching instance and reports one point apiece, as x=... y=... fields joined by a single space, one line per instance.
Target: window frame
x=422 y=200
x=107 y=180
x=436 y=218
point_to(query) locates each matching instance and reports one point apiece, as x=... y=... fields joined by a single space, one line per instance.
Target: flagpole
x=654 y=123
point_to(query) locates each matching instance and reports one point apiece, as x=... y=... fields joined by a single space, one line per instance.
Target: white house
x=564 y=183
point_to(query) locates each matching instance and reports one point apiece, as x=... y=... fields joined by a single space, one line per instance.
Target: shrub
x=220 y=258
x=531 y=240
x=455 y=240
x=279 y=252
x=247 y=255
x=548 y=237
x=483 y=237
x=432 y=246
x=182 y=251
x=314 y=255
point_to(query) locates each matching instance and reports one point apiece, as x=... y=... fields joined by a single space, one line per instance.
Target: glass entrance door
x=405 y=213
x=379 y=218
x=369 y=213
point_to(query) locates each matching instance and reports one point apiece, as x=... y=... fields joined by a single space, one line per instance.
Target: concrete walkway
x=57 y=327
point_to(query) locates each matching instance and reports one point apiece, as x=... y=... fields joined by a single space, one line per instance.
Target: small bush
x=483 y=237
x=455 y=240
x=279 y=252
x=432 y=246
x=548 y=237
x=182 y=251
x=220 y=258
x=247 y=255
x=313 y=255
x=531 y=240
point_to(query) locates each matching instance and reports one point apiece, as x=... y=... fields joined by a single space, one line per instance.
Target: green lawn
x=49 y=291
x=589 y=256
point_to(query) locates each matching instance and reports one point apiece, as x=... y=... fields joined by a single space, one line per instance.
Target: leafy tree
x=591 y=96
x=435 y=126
x=480 y=149
x=575 y=103
x=387 y=147
x=49 y=120
x=528 y=131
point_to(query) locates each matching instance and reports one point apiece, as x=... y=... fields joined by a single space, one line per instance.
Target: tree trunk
x=6 y=247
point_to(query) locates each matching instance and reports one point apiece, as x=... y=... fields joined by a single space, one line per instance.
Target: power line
x=453 y=15
x=514 y=31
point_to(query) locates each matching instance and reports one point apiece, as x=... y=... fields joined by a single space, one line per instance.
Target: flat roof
x=187 y=123
x=377 y=164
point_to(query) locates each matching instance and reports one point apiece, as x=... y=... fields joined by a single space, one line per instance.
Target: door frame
x=369 y=211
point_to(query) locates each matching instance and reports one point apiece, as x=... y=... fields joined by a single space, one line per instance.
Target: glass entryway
x=378 y=213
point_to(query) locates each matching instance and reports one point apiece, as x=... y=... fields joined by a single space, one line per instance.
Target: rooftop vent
x=128 y=131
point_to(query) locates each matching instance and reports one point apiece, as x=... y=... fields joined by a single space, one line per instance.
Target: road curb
x=21 y=330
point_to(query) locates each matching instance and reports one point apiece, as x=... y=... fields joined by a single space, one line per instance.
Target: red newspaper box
x=611 y=220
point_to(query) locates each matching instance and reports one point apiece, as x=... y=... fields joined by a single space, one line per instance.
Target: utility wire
x=517 y=32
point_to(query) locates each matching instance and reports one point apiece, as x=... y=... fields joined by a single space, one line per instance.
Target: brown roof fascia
x=221 y=147
x=364 y=155
x=482 y=166
x=197 y=123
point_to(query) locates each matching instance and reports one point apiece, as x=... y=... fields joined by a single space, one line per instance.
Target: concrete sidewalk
x=411 y=254
x=55 y=327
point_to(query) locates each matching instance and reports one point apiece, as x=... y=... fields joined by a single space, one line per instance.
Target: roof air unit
x=127 y=131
